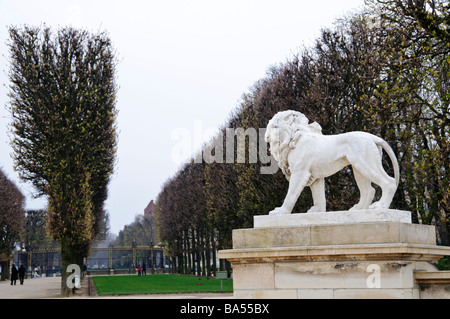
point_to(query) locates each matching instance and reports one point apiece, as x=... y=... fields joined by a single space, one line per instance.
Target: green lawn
x=154 y=284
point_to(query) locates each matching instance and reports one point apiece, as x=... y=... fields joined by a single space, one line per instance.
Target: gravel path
x=31 y=289
x=50 y=288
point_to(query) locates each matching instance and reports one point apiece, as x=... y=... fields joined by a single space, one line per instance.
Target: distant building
x=150 y=209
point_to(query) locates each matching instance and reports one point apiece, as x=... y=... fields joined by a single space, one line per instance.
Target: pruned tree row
x=386 y=71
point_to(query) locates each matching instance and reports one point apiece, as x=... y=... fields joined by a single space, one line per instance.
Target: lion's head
x=282 y=133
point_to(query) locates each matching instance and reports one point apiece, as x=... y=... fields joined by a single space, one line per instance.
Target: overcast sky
x=183 y=67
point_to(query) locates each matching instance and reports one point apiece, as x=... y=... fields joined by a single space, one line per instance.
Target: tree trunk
x=69 y=256
x=5 y=265
x=203 y=263
x=214 y=260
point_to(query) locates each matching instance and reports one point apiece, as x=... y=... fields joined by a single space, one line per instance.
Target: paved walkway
x=32 y=288
x=50 y=287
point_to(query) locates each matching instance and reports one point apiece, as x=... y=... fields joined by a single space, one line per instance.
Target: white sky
x=184 y=64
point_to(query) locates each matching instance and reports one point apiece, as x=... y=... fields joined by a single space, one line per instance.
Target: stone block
x=365 y=233
x=271 y=237
x=265 y=294
x=253 y=276
x=371 y=233
x=327 y=218
x=376 y=294
x=275 y=294
x=309 y=275
x=351 y=275
x=315 y=294
x=435 y=291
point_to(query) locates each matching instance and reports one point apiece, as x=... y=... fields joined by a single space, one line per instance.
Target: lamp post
x=133 y=246
x=110 y=256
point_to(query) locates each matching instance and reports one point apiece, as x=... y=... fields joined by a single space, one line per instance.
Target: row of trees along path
x=383 y=70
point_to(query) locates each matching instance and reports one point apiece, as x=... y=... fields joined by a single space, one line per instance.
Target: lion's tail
x=384 y=145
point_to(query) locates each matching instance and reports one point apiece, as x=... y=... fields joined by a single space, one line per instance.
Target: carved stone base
x=359 y=260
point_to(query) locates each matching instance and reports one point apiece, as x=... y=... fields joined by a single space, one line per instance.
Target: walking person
x=21 y=273
x=144 y=272
x=14 y=274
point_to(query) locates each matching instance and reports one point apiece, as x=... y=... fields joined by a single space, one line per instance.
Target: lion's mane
x=284 y=131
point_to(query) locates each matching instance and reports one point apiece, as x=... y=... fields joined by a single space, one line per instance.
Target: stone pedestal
x=358 y=254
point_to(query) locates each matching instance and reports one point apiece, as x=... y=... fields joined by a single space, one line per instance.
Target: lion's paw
x=357 y=207
x=316 y=209
x=376 y=205
x=279 y=211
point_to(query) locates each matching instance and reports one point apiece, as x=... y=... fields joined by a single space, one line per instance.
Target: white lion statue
x=306 y=157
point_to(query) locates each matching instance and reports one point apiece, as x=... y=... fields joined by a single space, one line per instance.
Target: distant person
x=22 y=271
x=14 y=274
x=35 y=272
x=139 y=270
x=84 y=270
x=144 y=271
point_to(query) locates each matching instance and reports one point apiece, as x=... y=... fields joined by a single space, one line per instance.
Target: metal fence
x=47 y=262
